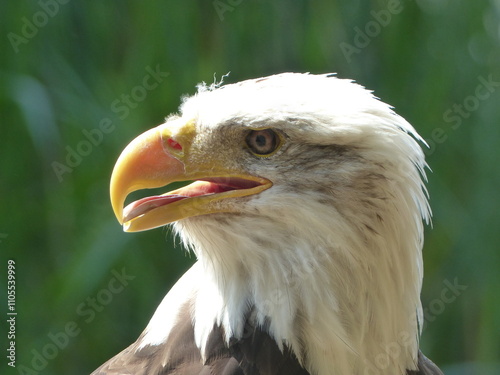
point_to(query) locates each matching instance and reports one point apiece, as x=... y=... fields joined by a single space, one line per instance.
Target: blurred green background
x=72 y=96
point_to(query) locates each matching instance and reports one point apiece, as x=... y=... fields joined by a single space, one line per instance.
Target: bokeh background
x=72 y=95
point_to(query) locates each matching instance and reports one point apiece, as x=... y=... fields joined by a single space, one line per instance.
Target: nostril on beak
x=174 y=144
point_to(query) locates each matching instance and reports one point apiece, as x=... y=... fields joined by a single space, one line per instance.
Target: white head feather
x=329 y=258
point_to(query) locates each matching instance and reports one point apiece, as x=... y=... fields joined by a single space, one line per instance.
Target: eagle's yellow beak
x=163 y=155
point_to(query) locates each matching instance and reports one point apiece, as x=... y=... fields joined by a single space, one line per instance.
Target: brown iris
x=263 y=142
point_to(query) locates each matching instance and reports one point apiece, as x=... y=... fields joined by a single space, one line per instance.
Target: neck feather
x=344 y=298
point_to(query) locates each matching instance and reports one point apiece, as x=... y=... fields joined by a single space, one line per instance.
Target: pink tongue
x=143 y=205
x=197 y=188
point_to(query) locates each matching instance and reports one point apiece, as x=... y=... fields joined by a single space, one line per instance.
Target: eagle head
x=302 y=197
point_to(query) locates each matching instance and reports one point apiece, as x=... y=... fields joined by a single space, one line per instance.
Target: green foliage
x=73 y=94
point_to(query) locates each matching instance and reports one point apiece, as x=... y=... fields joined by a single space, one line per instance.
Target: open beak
x=161 y=156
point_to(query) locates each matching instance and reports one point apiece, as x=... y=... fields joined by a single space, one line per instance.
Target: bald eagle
x=305 y=211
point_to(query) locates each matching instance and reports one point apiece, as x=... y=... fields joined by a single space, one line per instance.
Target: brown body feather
x=254 y=354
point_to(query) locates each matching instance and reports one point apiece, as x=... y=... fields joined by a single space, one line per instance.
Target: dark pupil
x=261 y=140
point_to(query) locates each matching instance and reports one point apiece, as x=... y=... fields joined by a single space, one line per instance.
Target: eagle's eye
x=263 y=142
